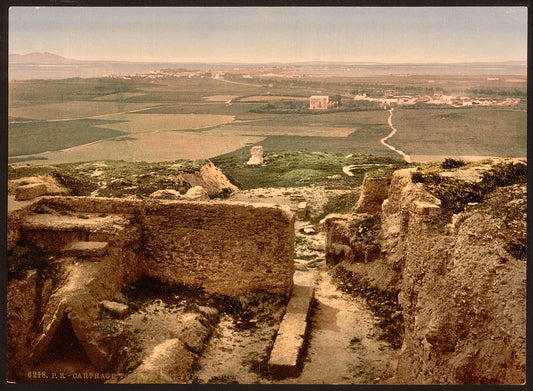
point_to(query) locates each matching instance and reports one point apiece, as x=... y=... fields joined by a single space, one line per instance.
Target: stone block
x=197 y=193
x=118 y=310
x=85 y=249
x=166 y=194
x=301 y=301
x=426 y=209
x=286 y=356
x=287 y=353
x=29 y=192
x=301 y=212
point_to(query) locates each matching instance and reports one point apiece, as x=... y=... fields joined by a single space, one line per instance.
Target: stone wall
x=228 y=248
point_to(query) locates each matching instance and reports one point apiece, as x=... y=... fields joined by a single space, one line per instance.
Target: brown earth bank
x=456 y=262
x=423 y=283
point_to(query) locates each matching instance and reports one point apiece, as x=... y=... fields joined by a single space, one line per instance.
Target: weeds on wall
x=455 y=194
x=366 y=230
x=26 y=256
x=341 y=203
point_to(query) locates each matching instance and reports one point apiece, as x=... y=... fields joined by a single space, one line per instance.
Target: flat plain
x=170 y=118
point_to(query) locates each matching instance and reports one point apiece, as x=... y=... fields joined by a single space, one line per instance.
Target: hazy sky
x=284 y=34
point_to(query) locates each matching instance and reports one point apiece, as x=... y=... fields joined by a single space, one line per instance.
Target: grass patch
x=297 y=168
x=342 y=203
x=53 y=136
x=122 y=178
x=479 y=131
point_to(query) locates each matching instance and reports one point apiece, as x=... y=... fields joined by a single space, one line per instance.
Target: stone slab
x=301 y=212
x=116 y=309
x=287 y=354
x=85 y=249
x=29 y=192
x=301 y=301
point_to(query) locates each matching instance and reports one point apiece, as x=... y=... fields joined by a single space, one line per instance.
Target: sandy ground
x=344 y=345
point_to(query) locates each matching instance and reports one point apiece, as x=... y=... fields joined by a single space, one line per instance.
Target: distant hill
x=41 y=58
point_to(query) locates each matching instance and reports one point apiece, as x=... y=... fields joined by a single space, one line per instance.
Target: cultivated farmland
x=200 y=117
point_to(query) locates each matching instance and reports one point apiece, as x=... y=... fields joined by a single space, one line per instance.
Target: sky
x=272 y=34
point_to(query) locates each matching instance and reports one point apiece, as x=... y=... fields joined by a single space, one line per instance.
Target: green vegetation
x=341 y=203
x=36 y=137
x=26 y=256
x=481 y=131
x=290 y=169
x=273 y=107
x=114 y=178
x=449 y=163
x=456 y=194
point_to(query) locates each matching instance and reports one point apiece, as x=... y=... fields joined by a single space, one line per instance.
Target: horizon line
x=276 y=61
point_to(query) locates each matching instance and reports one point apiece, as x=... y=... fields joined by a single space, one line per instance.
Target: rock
x=257 y=155
x=309 y=231
x=83 y=248
x=317 y=246
x=301 y=213
x=197 y=193
x=194 y=330
x=211 y=179
x=29 y=192
x=166 y=194
x=118 y=310
x=169 y=362
x=373 y=192
x=335 y=177
x=212 y=314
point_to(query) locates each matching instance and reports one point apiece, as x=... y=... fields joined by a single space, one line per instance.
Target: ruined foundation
x=103 y=245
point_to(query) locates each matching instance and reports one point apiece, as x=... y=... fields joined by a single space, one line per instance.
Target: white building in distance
x=318 y=102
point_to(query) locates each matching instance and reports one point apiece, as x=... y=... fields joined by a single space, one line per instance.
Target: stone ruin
x=106 y=244
x=256 y=155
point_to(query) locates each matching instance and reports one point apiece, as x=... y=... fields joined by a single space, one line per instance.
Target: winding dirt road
x=383 y=141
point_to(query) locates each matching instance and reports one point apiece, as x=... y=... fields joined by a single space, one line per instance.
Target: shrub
x=26 y=256
x=450 y=163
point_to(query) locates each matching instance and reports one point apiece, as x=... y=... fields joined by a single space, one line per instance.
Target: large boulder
x=197 y=193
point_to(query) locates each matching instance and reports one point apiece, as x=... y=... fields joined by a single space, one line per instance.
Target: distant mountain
x=41 y=58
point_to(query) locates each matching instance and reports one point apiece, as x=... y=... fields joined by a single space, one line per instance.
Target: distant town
x=389 y=99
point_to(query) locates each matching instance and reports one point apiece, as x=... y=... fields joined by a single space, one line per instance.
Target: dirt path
x=343 y=345
x=383 y=141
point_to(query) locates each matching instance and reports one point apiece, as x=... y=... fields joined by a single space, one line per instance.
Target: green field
x=270 y=111
x=480 y=131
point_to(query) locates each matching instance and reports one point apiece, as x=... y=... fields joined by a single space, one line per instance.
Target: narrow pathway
x=383 y=141
x=343 y=343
